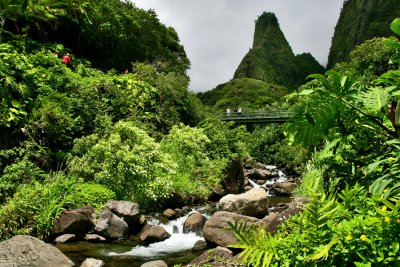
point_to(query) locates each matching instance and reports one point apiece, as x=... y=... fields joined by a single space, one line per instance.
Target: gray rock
x=23 y=250
x=218 y=257
x=94 y=238
x=260 y=166
x=154 y=233
x=284 y=189
x=90 y=262
x=111 y=226
x=65 y=238
x=194 y=223
x=252 y=203
x=158 y=263
x=233 y=177
x=76 y=221
x=248 y=188
x=129 y=211
x=295 y=207
x=199 y=246
x=217 y=231
x=170 y=214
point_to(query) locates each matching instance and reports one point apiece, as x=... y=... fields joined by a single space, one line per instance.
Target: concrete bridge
x=258 y=117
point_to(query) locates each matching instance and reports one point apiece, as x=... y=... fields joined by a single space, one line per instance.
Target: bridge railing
x=266 y=114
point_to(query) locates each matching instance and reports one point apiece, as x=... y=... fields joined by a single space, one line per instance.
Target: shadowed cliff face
x=361 y=20
x=271 y=58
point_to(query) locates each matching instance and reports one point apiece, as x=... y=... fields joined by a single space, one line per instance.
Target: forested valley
x=117 y=121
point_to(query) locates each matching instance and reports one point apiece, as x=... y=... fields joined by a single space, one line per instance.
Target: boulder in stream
x=284 y=189
x=252 y=203
x=111 y=226
x=90 y=262
x=194 y=223
x=23 y=250
x=65 y=238
x=158 y=263
x=76 y=221
x=127 y=210
x=154 y=233
x=216 y=229
x=218 y=257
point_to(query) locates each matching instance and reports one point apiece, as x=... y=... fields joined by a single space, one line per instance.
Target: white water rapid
x=268 y=183
x=178 y=241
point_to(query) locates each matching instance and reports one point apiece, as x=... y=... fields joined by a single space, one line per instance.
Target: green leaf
x=392 y=43
x=395 y=26
x=307 y=92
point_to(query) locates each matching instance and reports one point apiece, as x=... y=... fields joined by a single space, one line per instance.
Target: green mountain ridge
x=267 y=72
x=359 y=21
x=271 y=58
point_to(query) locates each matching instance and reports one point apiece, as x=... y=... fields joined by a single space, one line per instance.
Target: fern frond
x=374 y=99
x=259 y=247
x=324 y=253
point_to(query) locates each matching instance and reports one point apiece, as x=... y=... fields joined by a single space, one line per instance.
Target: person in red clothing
x=66 y=59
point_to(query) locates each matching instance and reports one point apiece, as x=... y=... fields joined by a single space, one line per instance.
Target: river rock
x=76 y=221
x=247 y=188
x=260 y=166
x=127 y=210
x=90 y=262
x=294 y=208
x=284 y=189
x=218 y=257
x=170 y=214
x=234 y=177
x=258 y=174
x=94 y=238
x=154 y=233
x=199 y=246
x=23 y=250
x=217 y=231
x=252 y=203
x=158 y=263
x=194 y=223
x=65 y=238
x=111 y=226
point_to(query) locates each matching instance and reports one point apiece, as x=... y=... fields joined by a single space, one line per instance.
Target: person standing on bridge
x=228 y=111
x=239 y=111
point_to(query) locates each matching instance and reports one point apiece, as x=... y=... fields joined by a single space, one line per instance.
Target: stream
x=174 y=250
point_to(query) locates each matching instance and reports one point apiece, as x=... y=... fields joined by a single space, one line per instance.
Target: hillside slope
x=361 y=20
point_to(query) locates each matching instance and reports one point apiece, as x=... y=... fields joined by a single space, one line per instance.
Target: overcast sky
x=217 y=34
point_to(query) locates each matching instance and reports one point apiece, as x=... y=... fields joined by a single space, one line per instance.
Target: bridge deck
x=261 y=117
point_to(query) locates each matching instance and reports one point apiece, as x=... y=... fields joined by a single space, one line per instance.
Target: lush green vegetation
x=75 y=135
x=249 y=94
x=110 y=33
x=360 y=20
x=353 y=217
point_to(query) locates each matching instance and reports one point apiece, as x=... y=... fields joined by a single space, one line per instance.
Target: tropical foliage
x=351 y=181
x=76 y=135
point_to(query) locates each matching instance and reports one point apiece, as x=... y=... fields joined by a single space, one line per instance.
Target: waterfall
x=178 y=241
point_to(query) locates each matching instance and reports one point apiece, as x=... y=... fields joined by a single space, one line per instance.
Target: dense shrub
x=89 y=194
x=269 y=145
x=196 y=173
x=34 y=206
x=125 y=160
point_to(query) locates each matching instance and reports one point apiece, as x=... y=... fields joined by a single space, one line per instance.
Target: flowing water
x=174 y=250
